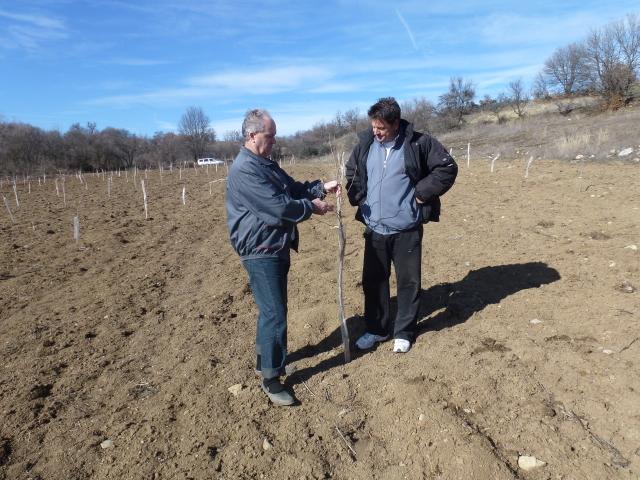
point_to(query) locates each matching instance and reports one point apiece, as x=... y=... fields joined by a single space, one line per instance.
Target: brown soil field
x=130 y=338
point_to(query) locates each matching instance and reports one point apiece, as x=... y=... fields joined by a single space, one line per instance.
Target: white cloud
x=30 y=32
x=41 y=21
x=226 y=84
x=268 y=80
x=168 y=96
x=335 y=87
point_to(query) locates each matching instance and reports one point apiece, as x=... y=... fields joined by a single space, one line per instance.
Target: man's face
x=384 y=131
x=262 y=143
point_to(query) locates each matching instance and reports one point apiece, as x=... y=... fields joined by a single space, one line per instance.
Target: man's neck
x=249 y=147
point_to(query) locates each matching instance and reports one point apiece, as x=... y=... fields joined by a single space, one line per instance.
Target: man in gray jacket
x=264 y=204
x=395 y=177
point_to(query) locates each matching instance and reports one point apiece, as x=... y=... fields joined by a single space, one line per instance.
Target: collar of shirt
x=391 y=143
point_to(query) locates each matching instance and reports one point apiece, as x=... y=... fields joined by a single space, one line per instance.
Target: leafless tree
x=233 y=136
x=566 y=69
x=230 y=145
x=79 y=147
x=194 y=126
x=458 y=101
x=519 y=98
x=123 y=145
x=21 y=147
x=612 y=57
x=540 y=88
x=495 y=106
x=351 y=118
x=420 y=112
x=627 y=35
x=167 y=148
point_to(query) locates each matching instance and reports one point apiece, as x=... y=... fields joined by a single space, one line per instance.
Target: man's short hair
x=386 y=109
x=254 y=122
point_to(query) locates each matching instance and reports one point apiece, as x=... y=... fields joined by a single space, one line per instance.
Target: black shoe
x=277 y=393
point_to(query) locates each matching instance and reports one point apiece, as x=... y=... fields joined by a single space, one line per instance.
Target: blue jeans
x=268 y=280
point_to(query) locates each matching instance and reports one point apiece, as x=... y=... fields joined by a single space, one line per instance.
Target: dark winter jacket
x=264 y=204
x=428 y=164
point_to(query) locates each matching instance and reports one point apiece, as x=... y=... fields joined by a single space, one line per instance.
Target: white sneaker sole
x=400 y=346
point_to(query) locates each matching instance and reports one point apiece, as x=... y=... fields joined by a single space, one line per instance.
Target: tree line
x=606 y=63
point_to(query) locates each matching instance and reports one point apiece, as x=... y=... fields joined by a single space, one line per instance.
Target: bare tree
x=420 y=112
x=122 y=148
x=566 y=70
x=194 y=126
x=233 y=136
x=458 y=101
x=80 y=147
x=613 y=58
x=540 y=89
x=21 y=147
x=627 y=36
x=495 y=106
x=518 y=99
x=351 y=118
x=167 y=148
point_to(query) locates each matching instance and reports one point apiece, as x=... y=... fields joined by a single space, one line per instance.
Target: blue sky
x=139 y=64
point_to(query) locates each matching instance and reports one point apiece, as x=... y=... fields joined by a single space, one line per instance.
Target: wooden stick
x=526 y=172
x=76 y=228
x=15 y=192
x=353 y=452
x=342 y=240
x=144 y=197
x=494 y=161
x=6 y=204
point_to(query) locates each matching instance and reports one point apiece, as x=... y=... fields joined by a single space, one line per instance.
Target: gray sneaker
x=368 y=340
x=277 y=393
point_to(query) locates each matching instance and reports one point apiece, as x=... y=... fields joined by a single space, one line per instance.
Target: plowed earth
x=529 y=339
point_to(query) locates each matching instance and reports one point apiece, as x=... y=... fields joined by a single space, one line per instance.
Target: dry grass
x=544 y=133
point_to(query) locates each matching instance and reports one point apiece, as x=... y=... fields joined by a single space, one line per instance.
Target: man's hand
x=320 y=207
x=332 y=187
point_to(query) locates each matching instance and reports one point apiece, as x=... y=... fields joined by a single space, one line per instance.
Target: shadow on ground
x=442 y=306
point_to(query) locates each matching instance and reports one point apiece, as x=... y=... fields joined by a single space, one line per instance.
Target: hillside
x=545 y=133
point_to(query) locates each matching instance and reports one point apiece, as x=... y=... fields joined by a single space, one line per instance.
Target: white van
x=209 y=161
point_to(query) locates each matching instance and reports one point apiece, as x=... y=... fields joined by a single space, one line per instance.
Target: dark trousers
x=404 y=249
x=268 y=280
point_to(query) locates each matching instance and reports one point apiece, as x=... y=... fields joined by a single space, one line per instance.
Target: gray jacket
x=264 y=204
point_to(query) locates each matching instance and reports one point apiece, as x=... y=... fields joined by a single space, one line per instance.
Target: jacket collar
x=262 y=160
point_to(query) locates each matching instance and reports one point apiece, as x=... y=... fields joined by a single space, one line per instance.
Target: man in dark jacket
x=264 y=204
x=395 y=177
